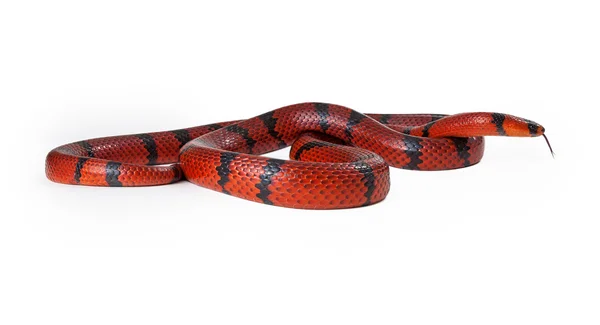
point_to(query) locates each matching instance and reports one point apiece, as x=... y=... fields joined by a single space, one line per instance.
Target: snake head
x=520 y=127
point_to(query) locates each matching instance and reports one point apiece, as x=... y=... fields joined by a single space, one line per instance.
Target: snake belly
x=340 y=158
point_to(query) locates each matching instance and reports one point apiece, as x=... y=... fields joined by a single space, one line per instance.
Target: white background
x=513 y=240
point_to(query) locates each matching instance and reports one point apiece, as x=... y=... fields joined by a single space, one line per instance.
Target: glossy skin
x=340 y=157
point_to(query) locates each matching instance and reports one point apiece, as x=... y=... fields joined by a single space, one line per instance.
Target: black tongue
x=549 y=146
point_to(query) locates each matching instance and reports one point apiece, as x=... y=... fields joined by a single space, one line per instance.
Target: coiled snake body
x=340 y=157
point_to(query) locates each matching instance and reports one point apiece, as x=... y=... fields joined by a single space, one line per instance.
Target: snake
x=339 y=158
